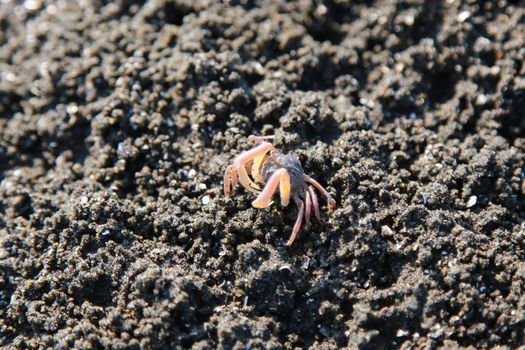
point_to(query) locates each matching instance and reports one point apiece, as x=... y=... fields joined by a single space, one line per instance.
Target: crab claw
x=281 y=178
x=237 y=171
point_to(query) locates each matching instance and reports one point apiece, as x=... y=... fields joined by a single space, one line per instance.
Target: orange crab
x=269 y=168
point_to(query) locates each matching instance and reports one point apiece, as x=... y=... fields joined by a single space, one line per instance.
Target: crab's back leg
x=281 y=178
x=307 y=207
x=315 y=203
x=298 y=222
x=230 y=175
x=244 y=158
x=331 y=201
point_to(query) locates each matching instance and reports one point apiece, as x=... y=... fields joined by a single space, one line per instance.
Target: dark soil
x=118 y=119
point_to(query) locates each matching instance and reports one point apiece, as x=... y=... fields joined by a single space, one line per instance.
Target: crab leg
x=331 y=201
x=229 y=175
x=281 y=178
x=244 y=158
x=308 y=207
x=315 y=202
x=298 y=222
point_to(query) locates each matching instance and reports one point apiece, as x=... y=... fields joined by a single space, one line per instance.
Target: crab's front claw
x=256 y=155
x=279 y=178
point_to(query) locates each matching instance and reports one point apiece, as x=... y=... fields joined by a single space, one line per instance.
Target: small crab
x=269 y=168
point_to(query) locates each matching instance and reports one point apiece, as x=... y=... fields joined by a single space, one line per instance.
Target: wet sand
x=118 y=119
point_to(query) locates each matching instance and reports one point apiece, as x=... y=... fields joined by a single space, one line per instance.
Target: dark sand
x=117 y=120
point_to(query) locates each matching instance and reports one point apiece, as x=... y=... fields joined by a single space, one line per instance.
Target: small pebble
x=386 y=231
x=495 y=70
x=402 y=333
x=321 y=10
x=192 y=173
x=454 y=320
x=472 y=201
x=399 y=67
x=202 y=186
x=481 y=100
x=482 y=43
x=32 y=5
x=205 y=200
x=463 y=16
x=259 y=69
x=9 y=76
x=409 y=20
x=367 y=103
x=72 y=109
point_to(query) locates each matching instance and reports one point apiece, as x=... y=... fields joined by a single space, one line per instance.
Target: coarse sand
x=118 y=119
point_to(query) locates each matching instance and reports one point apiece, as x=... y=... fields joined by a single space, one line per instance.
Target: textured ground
x=117 y=120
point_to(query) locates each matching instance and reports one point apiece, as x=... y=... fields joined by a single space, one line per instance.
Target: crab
x=269 y=168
